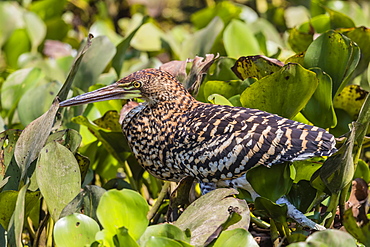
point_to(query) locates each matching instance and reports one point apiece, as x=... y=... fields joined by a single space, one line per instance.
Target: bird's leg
x=242 y=183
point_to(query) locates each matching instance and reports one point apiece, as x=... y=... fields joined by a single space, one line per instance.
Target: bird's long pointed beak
x=114 y=91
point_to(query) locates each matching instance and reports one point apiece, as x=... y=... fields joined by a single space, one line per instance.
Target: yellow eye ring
x=136 y=84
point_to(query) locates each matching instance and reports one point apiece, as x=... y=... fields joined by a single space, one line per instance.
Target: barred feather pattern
x=183 y=137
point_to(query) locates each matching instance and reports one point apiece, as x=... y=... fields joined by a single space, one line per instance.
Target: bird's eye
x=136 y=84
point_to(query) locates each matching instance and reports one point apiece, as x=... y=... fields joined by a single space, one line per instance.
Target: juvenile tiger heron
x=173 y=135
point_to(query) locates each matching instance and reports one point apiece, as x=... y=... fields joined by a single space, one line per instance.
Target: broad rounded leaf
x=75 y=230
x=239 y=40
x=124 y=208
x=58 y=177
x=218 y=100
x=331 y=237
x=264 y=180
x=336 y=55
x=215 y=211
x=156 y=241
x=284 y=92
x=163 y=230
x=237 y=238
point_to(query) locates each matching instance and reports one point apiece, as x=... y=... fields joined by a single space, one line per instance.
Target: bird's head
x=153 y=85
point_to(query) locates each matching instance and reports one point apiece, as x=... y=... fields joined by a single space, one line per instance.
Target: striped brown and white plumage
x=172 y=135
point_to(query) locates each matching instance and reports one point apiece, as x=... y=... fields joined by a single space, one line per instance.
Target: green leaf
x=155 y=241
x=301 y=195
x=298 y=40
x=141 y=41
x=16 y=85
x=58 y=177
x=361 y=233
x=123 y=238
x=86 y=201
x=284 y=92
x=201 y=42
x=339 y=20
x=237 y=238
x=33 y=138
x=122 y=47
x=264 y=179
x=215 y=207
x=123 y=208
x=336 y=55
x=8 y=200
x=163 y=230
x=17 y=44
x=218 y=100
x=37 y=101
x=351 y=99
x=331 y=237
x=337 y=171
x=75 y=230
x=224 y=88
x=94 y=62
x=36 y=29
x=361 y=36
x=319 y=109
x=10 y=19
x=239 y=40
x=256 y=66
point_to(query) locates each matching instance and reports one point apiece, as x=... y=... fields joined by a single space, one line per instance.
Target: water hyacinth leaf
x=16 y=84
x=218 y=100
x=162 y=241
x=284 y=92
x=224 y=88
x=75 y=230
x=118 y=59
x=337 y=171
x=69 y=138
x=221 y=70
x=57 y=166
x=94 y=62
x=163 y=230
x=351 y=99
x=264 y=179
x=37 y=101
x=215 y=207
x=298 y=40
x=332 y=237
x=36 y=29
x=237 y=238
x=256 y=66
x=8 y=201
x=274 y=211
x=124 y=208
x=33 y=138
x=360 y=35
x=239 y=40
x=361 y=233
x=339 y=20
x=123 y=238
x=319 y=109
x=9 y=168
x=336 y=55
x=86 y=201
x=141 y=41
x=301 y=195
x=305 y=169
x=201 y=42
x=17 y=44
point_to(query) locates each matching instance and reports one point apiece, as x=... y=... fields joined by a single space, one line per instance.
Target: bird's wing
x=223 y=142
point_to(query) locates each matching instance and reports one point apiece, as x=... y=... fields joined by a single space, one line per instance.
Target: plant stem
x=159 y=200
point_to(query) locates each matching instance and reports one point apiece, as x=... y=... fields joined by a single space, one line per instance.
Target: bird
x=172 y=135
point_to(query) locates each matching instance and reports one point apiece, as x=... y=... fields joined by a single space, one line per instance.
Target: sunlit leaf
x=75 y=230
x=284 y=92
x=163 y=230
x=336 y=55
x=123 y=208
x=58 y=177
x=351 y=100
x=238 y=238
x=215 y=208
x=239 y=40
